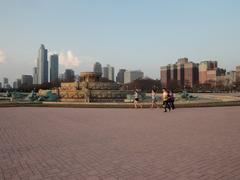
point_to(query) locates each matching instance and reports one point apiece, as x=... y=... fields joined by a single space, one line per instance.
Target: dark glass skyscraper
x=54 y=68
x=120 y=76
x=97 y=68
x=42 y=65
x=69 y=75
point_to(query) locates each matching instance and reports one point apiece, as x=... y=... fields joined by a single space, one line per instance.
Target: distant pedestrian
x=171 y=100
x=165 y=97
x=136 y=99
x=154 y=99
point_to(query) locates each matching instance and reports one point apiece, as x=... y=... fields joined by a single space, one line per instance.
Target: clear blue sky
x=131 y=34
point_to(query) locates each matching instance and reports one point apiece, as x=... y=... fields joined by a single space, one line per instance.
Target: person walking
x=165 y=97
x=171 y=100
x=136 y=99
x=154 y=99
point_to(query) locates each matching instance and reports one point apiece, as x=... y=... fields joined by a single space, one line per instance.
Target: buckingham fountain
x=91 y=88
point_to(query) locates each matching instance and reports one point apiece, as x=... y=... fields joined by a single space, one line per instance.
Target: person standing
x=136 y=99
x=154 y=99
x=165 y=97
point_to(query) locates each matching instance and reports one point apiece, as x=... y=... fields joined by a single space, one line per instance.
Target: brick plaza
x=117 y=144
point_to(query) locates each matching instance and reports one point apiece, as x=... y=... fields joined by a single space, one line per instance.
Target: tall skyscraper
x=105 y=72
x=97 y=67
x=42 y=65
x=130 y=76
x=54 y=68
x=35 y=75
x=120 y=76
x=108 y=72
x=5 y=81
x=111 y=73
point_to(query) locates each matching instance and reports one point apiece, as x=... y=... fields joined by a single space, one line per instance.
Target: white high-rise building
x=105 y=72
x=130 y=76
x=110 y=73
x=42 y=65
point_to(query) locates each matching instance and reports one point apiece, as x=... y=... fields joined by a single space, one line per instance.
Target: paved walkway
x=116 y=144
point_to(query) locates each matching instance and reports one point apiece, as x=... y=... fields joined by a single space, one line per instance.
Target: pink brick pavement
x=118 y=144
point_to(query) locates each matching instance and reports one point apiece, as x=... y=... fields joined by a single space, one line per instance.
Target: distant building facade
x=191 y=74
x=69 y=75
x=111 y=73
x=61 y=77
x=238 y=73
x=207 y=71
x=35 y=75
x=210 y=74
x=5 y=80
x=105 y=72
x=17 y=84
x=27 y=80
x=230 y=78
x=6 y=84
x=130 y=76
x=97 y=67
x=54 y=68
x=165 y=75
x=42 y=65
x=108 y=72
x=120 y=76
x=182 y=73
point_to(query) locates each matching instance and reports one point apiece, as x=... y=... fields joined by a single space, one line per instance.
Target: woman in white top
x=154 y=99
x=136 y=100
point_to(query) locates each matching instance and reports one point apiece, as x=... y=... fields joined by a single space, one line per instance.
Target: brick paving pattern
x=119 y=144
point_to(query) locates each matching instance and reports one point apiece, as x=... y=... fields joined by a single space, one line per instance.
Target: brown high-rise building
x=206 y=71
x=165 y=75
x=191 y=74
x=180 y=71
x=209 y=73
x=183 y=72
x=173 y=72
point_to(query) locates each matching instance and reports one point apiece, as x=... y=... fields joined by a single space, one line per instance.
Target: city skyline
x=131 y=35
x=50 y=71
